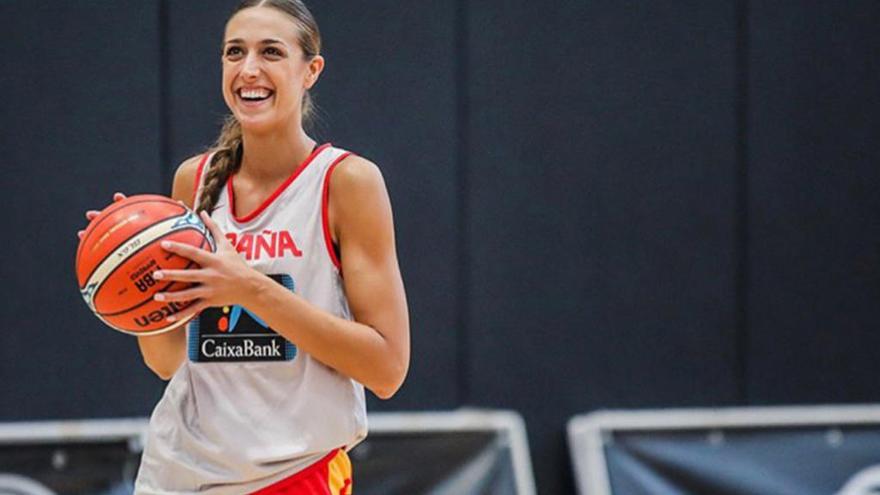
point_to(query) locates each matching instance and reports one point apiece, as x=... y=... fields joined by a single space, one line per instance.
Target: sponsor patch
x=234 y=334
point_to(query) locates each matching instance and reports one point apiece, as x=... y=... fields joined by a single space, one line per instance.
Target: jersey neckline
x=268 y=201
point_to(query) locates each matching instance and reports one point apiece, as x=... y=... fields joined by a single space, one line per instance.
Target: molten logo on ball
x=159 y=315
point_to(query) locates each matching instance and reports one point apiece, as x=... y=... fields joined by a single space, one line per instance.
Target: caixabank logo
x=234 y=334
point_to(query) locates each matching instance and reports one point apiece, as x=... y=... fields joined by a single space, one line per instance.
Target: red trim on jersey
x=300 y=483
x=198 y=182
x=250 y=216
x=325 y=221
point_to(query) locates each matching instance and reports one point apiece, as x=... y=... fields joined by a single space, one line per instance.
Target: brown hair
x=228 y=147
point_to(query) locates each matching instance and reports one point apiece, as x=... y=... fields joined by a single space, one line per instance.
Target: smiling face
x=265 y=70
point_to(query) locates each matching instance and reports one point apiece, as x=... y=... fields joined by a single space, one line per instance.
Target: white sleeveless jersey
x=247 y=409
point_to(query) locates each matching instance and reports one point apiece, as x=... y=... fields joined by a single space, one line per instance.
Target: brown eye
x=272 y=51
x=233 y=51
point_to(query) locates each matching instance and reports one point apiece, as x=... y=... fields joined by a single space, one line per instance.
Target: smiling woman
x=263 y=58
x=267 y=382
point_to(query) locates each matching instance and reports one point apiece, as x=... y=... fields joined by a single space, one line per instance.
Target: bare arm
x=165 y=352
x=373 y=349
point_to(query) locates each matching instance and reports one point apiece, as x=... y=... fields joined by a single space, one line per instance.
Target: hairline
x=300 y=25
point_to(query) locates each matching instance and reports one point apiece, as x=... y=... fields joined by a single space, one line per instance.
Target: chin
x=258 y=124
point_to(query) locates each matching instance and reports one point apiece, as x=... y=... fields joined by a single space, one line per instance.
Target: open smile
x=252 y=97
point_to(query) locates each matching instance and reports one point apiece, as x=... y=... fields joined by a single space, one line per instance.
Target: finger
x=188 y=275
x=181 y=295
x=81 y=233
x=193 y=253
x=212 y=227
x=92 y=214
x=189 y=312
x=118 y=196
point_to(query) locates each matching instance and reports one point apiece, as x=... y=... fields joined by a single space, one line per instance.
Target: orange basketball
x=119 y=252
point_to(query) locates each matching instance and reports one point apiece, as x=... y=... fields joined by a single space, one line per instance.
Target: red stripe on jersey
x=198 y=181
x=250 y=216
x=325 y=221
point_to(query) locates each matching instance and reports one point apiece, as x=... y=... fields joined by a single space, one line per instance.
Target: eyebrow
x=267 y=41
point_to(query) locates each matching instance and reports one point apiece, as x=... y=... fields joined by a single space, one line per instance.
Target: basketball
x=119 y=252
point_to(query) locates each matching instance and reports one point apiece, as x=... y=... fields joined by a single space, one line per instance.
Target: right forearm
x=164 y=353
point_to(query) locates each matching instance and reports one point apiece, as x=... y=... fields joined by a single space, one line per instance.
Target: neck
x=273 y=155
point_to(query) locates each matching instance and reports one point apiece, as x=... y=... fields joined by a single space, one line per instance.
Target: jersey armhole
x=325 y=218
x=197 y=184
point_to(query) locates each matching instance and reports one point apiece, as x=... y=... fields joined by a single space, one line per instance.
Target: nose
x=251 y=67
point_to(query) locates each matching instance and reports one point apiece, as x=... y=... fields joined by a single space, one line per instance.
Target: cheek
x=226 y=82
x=290 y=83
x=296 y=75
x=227 y=74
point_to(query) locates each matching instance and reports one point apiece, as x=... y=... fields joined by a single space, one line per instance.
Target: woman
x=290 y=217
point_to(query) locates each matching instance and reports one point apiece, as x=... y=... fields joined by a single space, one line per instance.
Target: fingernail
x=166 y=244
x=159 y=297
x=171 y=318
x=158 y=275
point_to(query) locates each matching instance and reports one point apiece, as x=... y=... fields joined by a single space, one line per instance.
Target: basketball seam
x=106 y=215
x=148 y=299
x=112 y=209
x=134 y=234
x=99 y=265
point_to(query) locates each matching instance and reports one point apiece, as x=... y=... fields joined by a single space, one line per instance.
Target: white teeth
x=254 y=93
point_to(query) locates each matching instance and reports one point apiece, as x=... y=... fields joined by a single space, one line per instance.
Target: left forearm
x=351 y=348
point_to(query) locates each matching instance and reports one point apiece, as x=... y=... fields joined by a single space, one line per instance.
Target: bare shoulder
x=186 y=171
x=360 y=206
x=185 y=179
x=356 y=174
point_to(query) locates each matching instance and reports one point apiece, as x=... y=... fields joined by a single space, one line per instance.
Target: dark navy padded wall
x=378 y=98
x=814 y=164
x=80 y=121
x=601 y=173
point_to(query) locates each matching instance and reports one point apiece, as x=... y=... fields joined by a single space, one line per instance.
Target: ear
x=316 y=66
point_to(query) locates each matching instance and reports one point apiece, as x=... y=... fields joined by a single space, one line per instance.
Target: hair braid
x=226 y=161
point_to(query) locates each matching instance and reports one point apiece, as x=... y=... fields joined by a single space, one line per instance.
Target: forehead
x=259 y=23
